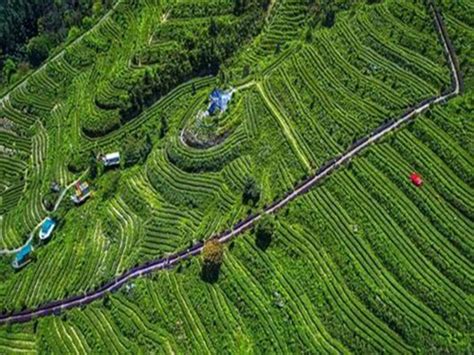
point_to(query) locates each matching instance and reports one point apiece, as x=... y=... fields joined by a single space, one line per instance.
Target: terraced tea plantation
x=363 y=262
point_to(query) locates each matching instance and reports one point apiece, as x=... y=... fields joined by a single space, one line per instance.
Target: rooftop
x=23 y=252
x=219 y=100
x=47 y=225
x=112 y=156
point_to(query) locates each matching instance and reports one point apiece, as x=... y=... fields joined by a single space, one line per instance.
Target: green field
x=365 y=262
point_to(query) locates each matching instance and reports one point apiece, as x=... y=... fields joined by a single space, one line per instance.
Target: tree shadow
x=263 y=241
x=210 y=272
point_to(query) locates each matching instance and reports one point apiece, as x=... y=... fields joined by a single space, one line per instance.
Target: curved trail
x=168 y=262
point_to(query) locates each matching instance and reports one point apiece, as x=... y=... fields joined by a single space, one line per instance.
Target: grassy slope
x=364 y=263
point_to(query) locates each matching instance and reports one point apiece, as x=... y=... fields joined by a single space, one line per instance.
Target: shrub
x=136 y=149
x=213 y=255
x=251 y=193
x=92 y=166
x=49 y=200
x=264 y=231
x=78 y=162
x=108 y=184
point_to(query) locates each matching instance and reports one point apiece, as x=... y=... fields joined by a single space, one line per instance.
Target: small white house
x=111 y=159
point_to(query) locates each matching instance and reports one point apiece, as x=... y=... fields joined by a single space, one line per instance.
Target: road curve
x=165 y=263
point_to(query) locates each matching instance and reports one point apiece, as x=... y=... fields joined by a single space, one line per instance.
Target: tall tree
x=251 y=193
x=38 y=50
x=264 y=231
x=213 y=255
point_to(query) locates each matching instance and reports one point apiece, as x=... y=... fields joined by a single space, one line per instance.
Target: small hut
x=219 y=100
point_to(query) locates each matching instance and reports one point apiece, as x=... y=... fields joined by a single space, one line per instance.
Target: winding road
x=165 y=263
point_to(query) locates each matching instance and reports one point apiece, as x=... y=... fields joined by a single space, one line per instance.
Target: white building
x=111 y=159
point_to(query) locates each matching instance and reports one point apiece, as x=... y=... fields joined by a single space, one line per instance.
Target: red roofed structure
x=416 y=179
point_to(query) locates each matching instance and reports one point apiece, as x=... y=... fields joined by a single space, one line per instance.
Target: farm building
x=22 y=257
x=47 y=228
x=219 y=100
x=82 y=192
x=111 y=159
x=416 y=179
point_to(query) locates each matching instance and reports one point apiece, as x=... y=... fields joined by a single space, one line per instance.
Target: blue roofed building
x=22 y=257
x=219 y=101
x=47 y=228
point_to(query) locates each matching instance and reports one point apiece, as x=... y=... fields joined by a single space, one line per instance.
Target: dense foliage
x=213 y=256
x=31 y=29
x=251 y=193
x=264 y=231
x=180 y=49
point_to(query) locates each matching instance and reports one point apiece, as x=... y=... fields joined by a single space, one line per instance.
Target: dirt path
x=286 y=128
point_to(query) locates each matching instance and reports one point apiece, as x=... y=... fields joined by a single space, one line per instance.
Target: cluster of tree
x=77 y=162
x=134 y=149
x=251 y=193
x=213 y=255
x=183 y=53
x=324 y=12
x=240 y=6
x=30 y=29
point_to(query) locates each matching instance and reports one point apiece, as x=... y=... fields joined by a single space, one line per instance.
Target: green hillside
x=365 y=262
